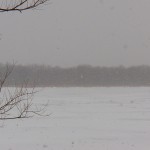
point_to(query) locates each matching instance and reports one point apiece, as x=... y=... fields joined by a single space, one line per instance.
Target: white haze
x=72 y=32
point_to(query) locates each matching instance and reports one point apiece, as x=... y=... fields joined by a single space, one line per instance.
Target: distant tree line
x=85 y=75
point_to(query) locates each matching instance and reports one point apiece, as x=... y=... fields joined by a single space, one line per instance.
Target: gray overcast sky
x=72 y=32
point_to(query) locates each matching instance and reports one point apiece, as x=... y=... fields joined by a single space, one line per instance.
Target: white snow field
x=113 y=118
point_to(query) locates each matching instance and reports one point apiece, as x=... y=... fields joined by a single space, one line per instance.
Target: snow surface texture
x=84 y=119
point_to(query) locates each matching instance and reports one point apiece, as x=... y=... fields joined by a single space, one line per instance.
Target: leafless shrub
x=17 y=102
x=20 y=5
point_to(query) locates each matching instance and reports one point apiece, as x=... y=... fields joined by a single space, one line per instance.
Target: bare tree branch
x=18 y=102
x=20 y=5
x=6 y=74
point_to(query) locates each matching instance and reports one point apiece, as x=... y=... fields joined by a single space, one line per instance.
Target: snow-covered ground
x=84 y=119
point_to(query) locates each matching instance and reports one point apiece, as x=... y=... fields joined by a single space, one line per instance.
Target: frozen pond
x=84 y=119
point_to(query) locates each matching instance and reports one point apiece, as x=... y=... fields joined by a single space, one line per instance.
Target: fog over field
x=74 y=75
x=79 y=76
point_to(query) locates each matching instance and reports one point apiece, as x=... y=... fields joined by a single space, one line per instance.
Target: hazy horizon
x=83 y=32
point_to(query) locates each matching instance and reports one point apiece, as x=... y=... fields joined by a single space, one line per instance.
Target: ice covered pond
x=84 y=119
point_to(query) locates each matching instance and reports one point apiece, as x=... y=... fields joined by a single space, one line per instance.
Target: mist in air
x=70 y=33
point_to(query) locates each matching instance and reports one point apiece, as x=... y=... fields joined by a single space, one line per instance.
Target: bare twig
x=20 y=5
x=18 y=102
